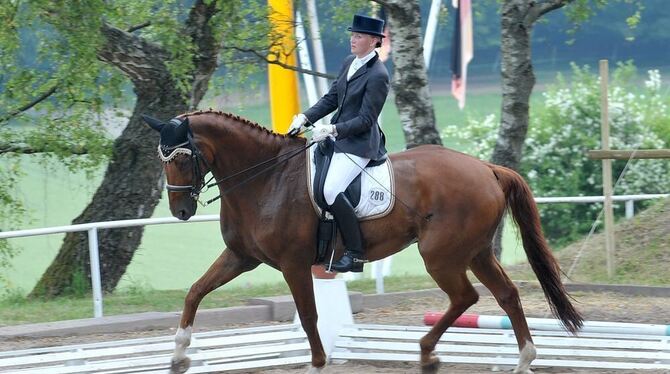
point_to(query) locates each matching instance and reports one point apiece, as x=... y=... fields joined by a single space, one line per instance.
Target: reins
x=199 y=185
x=292 y=153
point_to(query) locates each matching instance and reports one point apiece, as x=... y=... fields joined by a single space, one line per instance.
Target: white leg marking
x=314 y=370
x=526 y=356
x=182 y=340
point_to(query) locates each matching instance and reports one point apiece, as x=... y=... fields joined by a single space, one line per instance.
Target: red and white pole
x=547 y=324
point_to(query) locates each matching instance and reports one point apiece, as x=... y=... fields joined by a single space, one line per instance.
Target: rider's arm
x=328 y=103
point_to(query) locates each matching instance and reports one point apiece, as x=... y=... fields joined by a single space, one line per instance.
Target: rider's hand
x=296 y=125
x=321 y=132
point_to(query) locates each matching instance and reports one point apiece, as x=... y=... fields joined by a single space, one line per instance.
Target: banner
x=461 y=50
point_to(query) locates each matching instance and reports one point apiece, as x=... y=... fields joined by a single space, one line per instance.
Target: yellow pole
x=283 y=83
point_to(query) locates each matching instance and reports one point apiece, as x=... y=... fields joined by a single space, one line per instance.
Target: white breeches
x=344 y=168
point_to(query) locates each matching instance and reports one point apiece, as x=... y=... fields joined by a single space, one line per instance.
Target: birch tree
x=410 y=79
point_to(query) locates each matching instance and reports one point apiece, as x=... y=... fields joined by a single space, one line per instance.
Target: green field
x=173 y=256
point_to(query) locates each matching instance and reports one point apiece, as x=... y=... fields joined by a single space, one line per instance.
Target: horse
x=451 y=205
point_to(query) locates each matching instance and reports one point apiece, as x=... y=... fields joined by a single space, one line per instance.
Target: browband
x=174 y=151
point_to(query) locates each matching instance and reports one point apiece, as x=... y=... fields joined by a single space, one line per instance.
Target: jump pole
x=548 y=324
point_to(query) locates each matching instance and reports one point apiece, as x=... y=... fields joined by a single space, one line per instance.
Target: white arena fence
x=92 y=229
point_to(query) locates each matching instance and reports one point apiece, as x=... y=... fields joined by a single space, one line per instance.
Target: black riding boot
x=346 y=219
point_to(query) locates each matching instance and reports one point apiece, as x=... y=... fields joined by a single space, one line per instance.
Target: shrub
x=567 y=125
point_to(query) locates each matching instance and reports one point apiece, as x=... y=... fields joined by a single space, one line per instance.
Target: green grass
x=14 y=309
x=641 y=256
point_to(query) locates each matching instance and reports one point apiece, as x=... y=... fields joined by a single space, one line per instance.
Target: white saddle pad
x=377 y=189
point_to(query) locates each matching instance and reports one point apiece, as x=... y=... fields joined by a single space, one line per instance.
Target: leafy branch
x=29 y=105
x=26 y=149
x=277 y=61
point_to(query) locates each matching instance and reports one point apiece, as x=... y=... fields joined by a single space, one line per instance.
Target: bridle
x=188 y=148
x=198 y=184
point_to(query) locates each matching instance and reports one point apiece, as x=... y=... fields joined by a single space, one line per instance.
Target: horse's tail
x=520 y=199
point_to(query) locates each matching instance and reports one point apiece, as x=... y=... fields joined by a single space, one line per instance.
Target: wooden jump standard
x=607 y=155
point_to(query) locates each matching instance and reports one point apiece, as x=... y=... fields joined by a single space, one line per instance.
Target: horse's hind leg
x=228 y=266
x=461 y=296
x=491 y=274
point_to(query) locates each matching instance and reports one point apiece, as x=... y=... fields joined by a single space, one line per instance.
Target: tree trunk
x=410 y=80
x=129 y=190
x=518 y=80
x=132 y=184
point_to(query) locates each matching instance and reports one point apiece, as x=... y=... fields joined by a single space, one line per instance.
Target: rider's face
x=362 y=44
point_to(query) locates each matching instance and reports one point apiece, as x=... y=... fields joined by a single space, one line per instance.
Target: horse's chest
x=250 y=231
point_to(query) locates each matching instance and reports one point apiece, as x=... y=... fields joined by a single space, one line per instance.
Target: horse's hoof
x=180 y=366
x=527 y=371
x=431 y=366
x=314 y=370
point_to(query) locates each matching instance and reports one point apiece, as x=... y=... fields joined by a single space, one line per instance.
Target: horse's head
x=185 y=166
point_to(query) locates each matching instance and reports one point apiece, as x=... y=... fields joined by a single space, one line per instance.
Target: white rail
x=629 y=199
x=92 y=229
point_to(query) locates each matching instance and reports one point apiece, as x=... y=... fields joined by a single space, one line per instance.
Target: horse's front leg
x=228 y=266
x=299 y=280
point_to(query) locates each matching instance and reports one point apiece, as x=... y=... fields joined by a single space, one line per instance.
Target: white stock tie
x=355 y=65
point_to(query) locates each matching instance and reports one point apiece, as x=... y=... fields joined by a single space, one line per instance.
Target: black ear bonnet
x=174 y=134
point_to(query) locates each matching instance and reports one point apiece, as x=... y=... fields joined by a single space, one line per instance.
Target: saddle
x=322 y=157
x=327 y=230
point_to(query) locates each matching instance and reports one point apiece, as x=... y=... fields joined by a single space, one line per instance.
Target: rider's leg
x=344 y=168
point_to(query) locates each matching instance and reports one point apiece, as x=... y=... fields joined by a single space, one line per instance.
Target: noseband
x=188 y=148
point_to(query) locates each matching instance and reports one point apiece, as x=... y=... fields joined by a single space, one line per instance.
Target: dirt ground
x=595 y=307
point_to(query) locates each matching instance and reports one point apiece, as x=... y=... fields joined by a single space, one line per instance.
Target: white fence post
x=379 y=276
x=630 y=208
x=96 y=284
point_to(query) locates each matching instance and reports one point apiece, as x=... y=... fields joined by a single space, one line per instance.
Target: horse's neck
x=239 y=147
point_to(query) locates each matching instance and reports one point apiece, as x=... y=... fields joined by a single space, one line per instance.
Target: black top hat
x=367 y=25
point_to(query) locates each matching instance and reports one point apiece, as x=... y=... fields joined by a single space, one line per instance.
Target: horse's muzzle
x=183 y=215
x=185 y=210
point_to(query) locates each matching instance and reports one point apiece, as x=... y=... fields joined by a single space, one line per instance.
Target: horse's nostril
x=182 y=214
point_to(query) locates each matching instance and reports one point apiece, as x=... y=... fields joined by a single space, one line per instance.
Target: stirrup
x=365 y=261
x=351 y=264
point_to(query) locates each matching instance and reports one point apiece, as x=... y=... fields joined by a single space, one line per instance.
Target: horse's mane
x=235 y=117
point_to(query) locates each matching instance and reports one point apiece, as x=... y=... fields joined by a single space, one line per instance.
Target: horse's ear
x=155 y=123
x=181 y=129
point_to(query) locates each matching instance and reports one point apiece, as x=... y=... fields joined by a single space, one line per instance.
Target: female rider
x=358 y=94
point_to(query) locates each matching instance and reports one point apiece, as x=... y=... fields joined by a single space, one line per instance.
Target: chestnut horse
x=450 y=204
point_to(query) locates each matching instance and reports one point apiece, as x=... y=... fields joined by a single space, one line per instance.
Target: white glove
x=321 y=132
x=296 y=125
